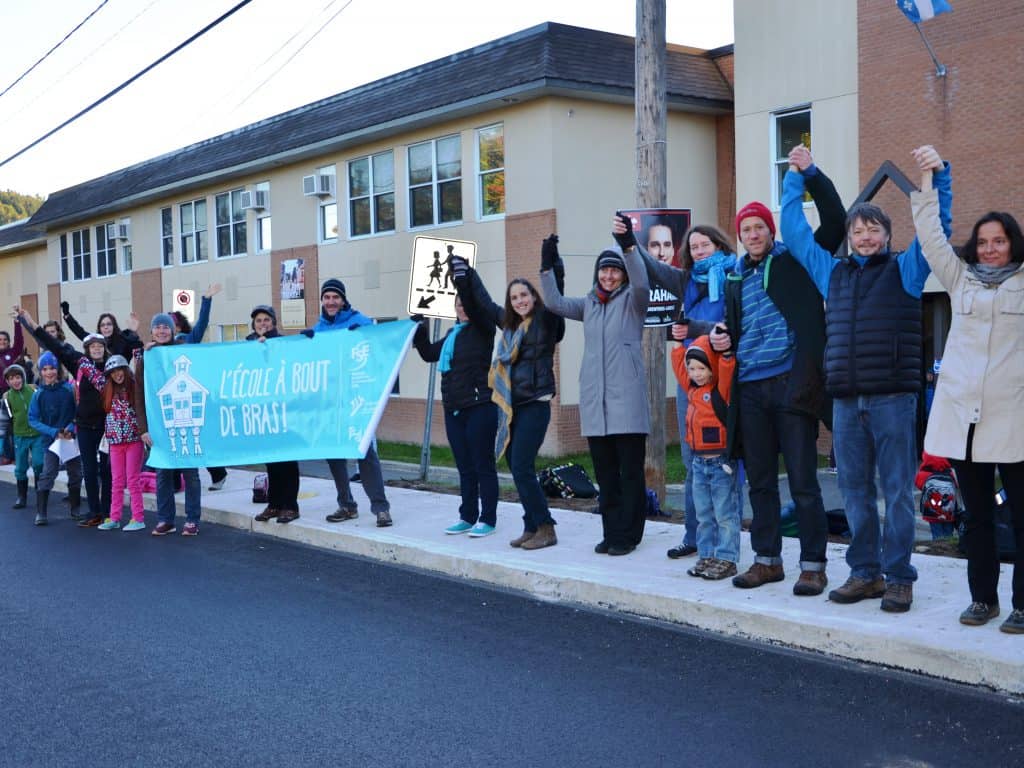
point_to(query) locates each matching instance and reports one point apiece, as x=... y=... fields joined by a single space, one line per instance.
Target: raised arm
x=18 y=346
x=796 y=232
x=71 y=323
x=550 y=266
x=199 y=329
x=479 y=296
x=939 y=254
x=935 y=173
x=65 y=353
x=478 y=316
x=832 y=230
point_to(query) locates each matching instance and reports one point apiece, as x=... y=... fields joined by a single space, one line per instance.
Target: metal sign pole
x=425 y=453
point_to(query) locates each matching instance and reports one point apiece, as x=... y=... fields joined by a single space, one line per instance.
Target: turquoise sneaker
x=460 y=527
x=480 y=530
x=135 y=525
x=110 y=525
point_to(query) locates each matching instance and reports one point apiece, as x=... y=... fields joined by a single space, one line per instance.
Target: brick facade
x=147 y=291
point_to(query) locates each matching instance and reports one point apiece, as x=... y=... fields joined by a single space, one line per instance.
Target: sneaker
x=810 y=583
x=162 y=529
x=719 y=569
x=898 y=598
x=135 y=525
x=341 y=515
x=977 y=614
x=683 y=550
x=383 y=519
x=758 y=575
x=698 y=568
x=480 y=530
x=460 y=527
x=217 y=485
x=190 y=529
x=1014 y=623
x=856 y=589
x=109 y=525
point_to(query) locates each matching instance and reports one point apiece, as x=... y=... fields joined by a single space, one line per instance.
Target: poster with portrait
x=293 y=293
x=661 y=232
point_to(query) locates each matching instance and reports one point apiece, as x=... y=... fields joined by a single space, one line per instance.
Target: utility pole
x=651 y=161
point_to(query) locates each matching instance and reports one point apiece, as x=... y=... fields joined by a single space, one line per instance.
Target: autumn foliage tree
x=15 y=206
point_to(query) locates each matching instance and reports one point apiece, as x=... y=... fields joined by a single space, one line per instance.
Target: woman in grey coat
x=614 y=415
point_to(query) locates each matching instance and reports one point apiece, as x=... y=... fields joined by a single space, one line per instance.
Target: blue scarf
x=712 y=271
x=448 y=348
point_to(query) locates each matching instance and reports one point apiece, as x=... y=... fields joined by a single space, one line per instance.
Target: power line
x=129 y=81
x=58 y=45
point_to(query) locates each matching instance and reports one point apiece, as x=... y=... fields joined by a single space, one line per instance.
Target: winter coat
x=10 y=355
x=123 y=342
x=17 y=403
x=88 y=378
x=983 y=361
x=52 y=409
x=344 y=319
x=122 y=425
x=613 y=382
x=707 y=413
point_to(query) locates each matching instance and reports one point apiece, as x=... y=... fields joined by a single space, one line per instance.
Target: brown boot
x=544 y=537
x=856 y=589
x=268 y=514
x=527 y=535
x=758 y=575
x=810 y=583
x=288 y=515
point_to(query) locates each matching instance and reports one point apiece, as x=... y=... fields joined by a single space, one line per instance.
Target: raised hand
x=622 y=231
x=800 y=157
x=212 y=291
x=549 y=253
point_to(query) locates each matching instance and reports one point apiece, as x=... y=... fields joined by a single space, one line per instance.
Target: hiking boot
x=384 y=519
x=856 y=589
x=683 y=550
x=162 y=529
x=545 y=537
x=343 y=514
x=810 y=583
x=288 y=515
x=21 y=501
x=268 y=514
x=898 y=598
x=977 y=614
x=42 y=498
x=758 y=575
x=698 y=568
x=1014 y=623
x=527 y=535
x=718 y=569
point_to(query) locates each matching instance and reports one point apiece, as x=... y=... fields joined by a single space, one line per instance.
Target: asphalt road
x=232 y=649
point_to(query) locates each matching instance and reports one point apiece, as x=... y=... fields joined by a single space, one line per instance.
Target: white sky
x=205 y=89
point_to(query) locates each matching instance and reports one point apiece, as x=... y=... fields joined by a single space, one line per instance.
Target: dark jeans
x=95 y=470
x=619 y=467
x=769 y=427
x=471 y=437
x=218 y=473
x=529 y=425
x=283 y=481
x=977 y=485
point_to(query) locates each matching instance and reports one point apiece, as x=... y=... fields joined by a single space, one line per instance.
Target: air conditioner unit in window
x=111 y=230
x=318 y=185
x=260 y=199
x=309 y=188
x=124 y=231
x=326 y=185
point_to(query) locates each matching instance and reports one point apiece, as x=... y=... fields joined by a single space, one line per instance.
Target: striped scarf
x=500 y=382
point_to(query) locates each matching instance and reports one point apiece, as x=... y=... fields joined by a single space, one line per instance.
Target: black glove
x=626 y=240
x=65 y=308
x=308 y=333
x=460 y=269
x=549 y=253
x=417 y=318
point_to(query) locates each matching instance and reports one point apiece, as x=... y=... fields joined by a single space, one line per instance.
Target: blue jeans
x=166 y=509
x=529 y=425
x=718 y=517
x=370 y=476
x=880 y=431
x=690 y=519
x=471 y=437
x=26 y=450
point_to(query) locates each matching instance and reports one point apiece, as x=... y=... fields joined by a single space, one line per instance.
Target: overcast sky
x=218 y=83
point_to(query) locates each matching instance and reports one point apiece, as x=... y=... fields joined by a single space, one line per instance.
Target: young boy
x=707 y=377
x=51 y=412
x=27 y=442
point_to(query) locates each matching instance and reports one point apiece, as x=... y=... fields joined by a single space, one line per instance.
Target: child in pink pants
x=126 y=450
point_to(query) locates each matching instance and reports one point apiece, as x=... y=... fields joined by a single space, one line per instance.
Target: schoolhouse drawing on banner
x=183 y=408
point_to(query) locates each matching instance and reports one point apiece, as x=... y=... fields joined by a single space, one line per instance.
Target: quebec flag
x=922 y=10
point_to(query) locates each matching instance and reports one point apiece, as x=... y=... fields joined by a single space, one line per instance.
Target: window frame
x=234 y=202
x=480 y=174
x=264 y=216
x=126 y=258
x=434 y=184
x=776 y=161
x=106 y=256
x=194 y=233
x=372 y=196
x=167 y=238
x=324 y=204
x=75 y=268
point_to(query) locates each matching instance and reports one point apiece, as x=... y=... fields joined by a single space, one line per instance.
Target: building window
x=490 y=152
x=106 y=250
x=231 y=234
x=76 y=264
x=193 y=232
x=126 y=257
x=65 y=270
x=263 y=239
x=435 y=182
x=789 y=129
x=328 y=218
x=167 y=236
x=124 y=236
x=234 y=332
x=371 y=194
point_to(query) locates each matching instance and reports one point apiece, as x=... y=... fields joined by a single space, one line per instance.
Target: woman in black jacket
x=470 y=417
x=282 y=476
x=119 y=342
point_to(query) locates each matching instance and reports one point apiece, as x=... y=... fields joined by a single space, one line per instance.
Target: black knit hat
x=263 y=309
x=695 y=352
x=335 y=285
x=610 y=259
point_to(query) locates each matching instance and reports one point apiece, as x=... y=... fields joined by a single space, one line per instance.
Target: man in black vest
x=873 y=371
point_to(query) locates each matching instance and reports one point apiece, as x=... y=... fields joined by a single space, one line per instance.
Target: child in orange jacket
x=707 y=377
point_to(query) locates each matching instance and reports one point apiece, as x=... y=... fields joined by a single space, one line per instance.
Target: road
x=232 y=649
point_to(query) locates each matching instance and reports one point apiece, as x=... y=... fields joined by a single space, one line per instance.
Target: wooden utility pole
x=651 y=161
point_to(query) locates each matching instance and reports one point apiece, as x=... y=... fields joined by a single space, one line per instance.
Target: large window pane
x=359 y=210
x=385 y=211
x=421 y=205
x=223 y=209
x=451 y=200
x=359 y=177
x=383 y=172
x=492 y=193
x=449 y=158
x=492 y=148
x=421 y=163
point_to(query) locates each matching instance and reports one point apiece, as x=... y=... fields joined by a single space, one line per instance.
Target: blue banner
x=289 y=398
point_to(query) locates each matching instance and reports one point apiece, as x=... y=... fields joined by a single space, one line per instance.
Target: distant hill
x=14 y=206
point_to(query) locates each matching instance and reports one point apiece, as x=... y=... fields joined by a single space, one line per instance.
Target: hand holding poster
x=661 y=231
x=289 y=398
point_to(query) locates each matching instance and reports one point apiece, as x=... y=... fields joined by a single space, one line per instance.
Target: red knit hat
x=760 y=210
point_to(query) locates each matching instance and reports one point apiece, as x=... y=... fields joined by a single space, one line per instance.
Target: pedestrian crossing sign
x=431 y=281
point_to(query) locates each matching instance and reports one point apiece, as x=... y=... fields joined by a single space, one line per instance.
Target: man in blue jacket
x=873 y=365
x=51 y=413
x=337 y=314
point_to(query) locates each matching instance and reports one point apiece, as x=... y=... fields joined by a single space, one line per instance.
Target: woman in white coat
x=977 y=417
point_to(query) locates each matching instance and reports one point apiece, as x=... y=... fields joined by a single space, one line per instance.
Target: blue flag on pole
x=289 y=398
x=922 y=10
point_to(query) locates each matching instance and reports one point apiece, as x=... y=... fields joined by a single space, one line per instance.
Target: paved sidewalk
x=928 y=639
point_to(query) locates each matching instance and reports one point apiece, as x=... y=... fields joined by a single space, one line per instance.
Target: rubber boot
x=20 y=502
x=42 y=497
x=75 y=502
